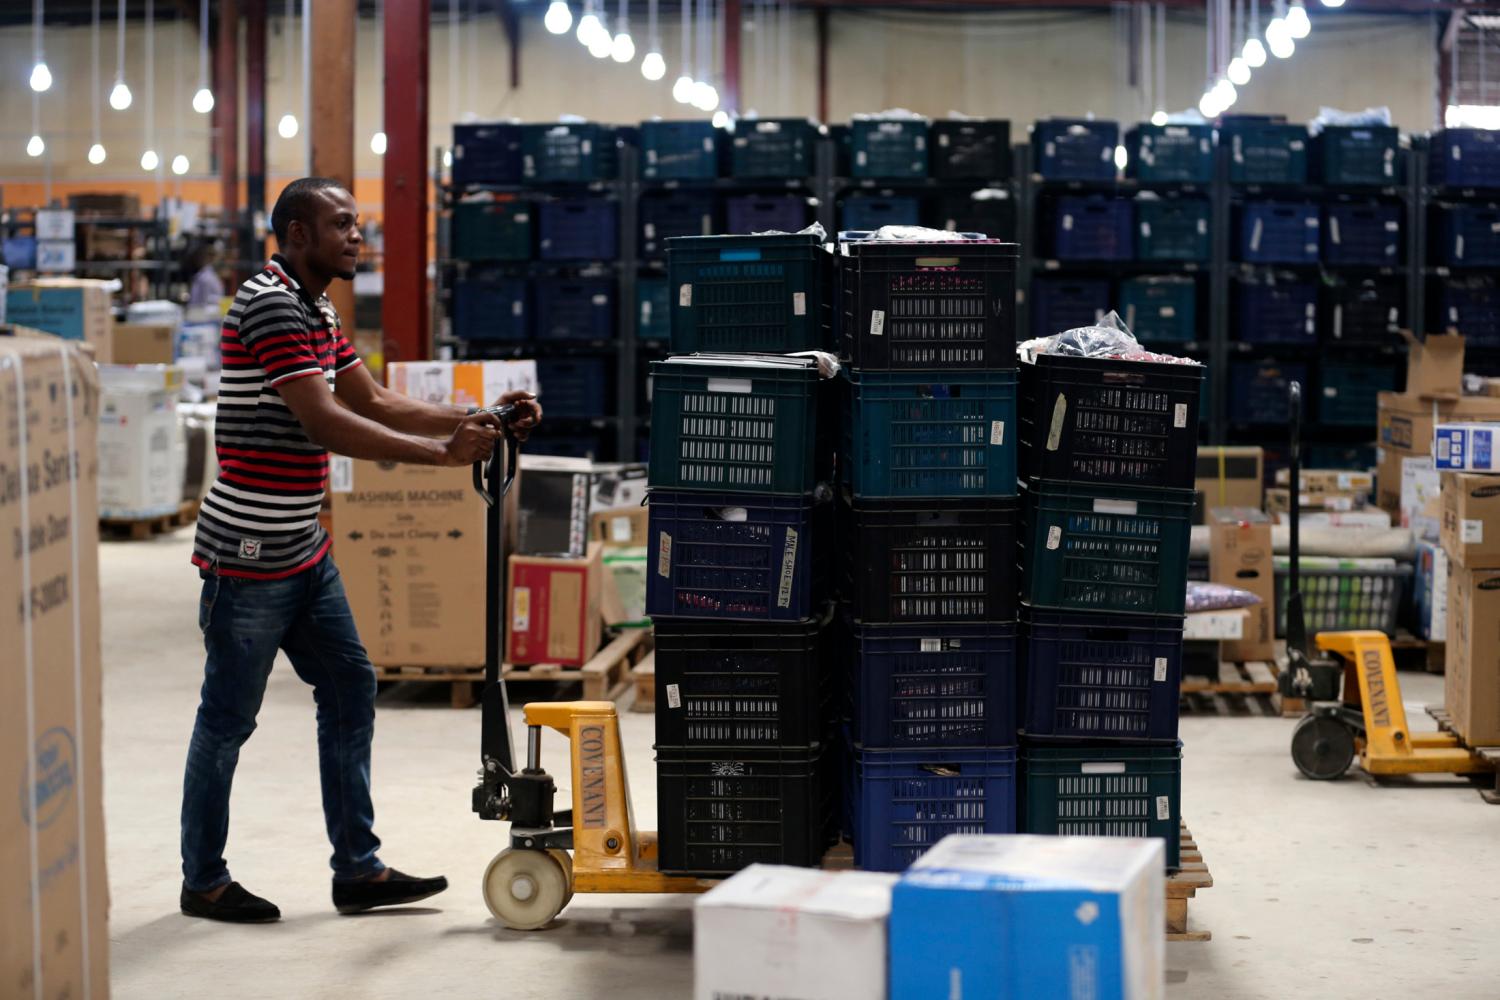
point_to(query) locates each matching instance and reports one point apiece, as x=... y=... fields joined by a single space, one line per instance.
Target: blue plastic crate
x=930 y=434
x=782 y=148
x=752 y=213
x=667 y=216
x=1471 y=306
x=679 y=150
x=1075 y=149
x=1464 y=157
x=1160 y=308
x=932 y=685
x=1172 y=229
x=573 y=153
x=1367 y=235
x=736 y=556
x=1258 y=390
x=653 y=312
x=870 y=212
x=575 y=309
x=577 y=388
x=750 y=293
x=1470 y=235
x=1101 y=676
x=490 y=306
x=486 y=153
x=1059 y=304
x=1359 y=155
x=1264 y=151
x=1347 y=395
x=895 y=149
x=1093 y=227
x=1170 y=153
x=904 y=801
x=1272 y=310
x=579 y=229
x=1279 y=232
x=1364 y=311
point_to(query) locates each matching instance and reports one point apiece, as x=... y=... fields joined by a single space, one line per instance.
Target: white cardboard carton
x=792 y=934
x=142 y=447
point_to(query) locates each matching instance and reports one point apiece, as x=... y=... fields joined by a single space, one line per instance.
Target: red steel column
x=331 y=129
x=255 y=117
x=404 y=311
x=227 y=109
x=732 y=25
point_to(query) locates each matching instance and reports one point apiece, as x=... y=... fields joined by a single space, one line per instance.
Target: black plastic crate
x=1366 y=235
x=1258 y=390
x=1470 y=235
x=763 y=213
x=1092 y=227
x=653 y=313
x=1363 y=311
x=970 y=149
x=909 y=306
x=870 y=212
x=1059 y=304
x=1103 y=420
x=1464 y=157
x=1264 y=150
x=924 y=561
x=1279 y=232
x=1172 y=229
x=750 y=293
x=1275 y=309
x=489 y=305
x=577 y=153
x=492 y=230
x=888 y=148
x=575 y=387
x=1359 y=155
x=990 y=212
x=1075 y=149
x=721 y=810
x=667 y=216
x=1471 y=306
x=1161 y=308
x=578 y=229
x=782 y=148
x=1347 y=395
x=575 y=309
x=679 y=150
x=745 y=684
x=1182 y=153
x=486 y=153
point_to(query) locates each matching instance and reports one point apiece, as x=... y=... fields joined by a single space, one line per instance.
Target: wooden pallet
x=139 y=529
x=1490 y=755
x=1183 y=886
x=644 y=675
x=1240 y=689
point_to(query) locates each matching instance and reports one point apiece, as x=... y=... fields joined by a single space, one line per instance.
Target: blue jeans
x=244 y=622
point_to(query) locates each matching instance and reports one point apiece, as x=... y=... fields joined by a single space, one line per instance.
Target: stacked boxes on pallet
x=1107 y=459
x=740 y=537
x=927 y=515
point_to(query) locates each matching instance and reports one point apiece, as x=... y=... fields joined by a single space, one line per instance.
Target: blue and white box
x=1010 y=917
x=1466 y=447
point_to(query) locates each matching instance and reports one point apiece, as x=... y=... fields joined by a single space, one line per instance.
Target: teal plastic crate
x=1089 y=547
x=930 y=434
x=1161 y=308
x=492 y=230
x=653 y=309
x=1347 y=397
x=750 y=294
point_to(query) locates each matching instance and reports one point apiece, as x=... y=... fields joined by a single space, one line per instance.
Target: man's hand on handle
x=528 y=412
x=473 y=440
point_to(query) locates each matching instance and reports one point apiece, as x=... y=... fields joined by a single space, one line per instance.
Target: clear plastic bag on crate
x=1217 y=597
x=1108 y=338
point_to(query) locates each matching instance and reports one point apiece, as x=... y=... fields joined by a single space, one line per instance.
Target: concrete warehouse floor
x=1326 y=891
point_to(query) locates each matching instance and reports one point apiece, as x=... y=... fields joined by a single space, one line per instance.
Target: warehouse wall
x=1021 y=65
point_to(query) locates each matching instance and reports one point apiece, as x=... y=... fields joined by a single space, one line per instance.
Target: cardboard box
x=617 y=484
x=774 y=931
x=1466 y=447
x=1239 y=555
x=410 y=544
x=71 y=308
x=623 y=597
x=1025 y=916
x=1214 y=625
x=54 y=943
x=554 y=608
x=1328 y=480
x=1430 y=592
x=622 y=527
x=1279 y=501
x=142 y=444
x=461 y=383
x=142 y=344
x=1471 y=519
x=1230 y=477
x=1421 y=504
x=1471 y=680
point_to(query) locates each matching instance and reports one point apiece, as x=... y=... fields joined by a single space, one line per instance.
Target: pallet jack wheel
x=526 y=889
x=565 y=859
x=1322 y=747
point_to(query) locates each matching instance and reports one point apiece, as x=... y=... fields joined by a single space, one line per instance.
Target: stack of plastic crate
x=926 y=540
x=740 y=537
x=1107 y=459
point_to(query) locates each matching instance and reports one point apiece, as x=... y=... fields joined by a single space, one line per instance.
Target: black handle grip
x=487 y=471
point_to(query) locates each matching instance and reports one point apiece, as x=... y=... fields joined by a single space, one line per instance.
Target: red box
x=553 y=605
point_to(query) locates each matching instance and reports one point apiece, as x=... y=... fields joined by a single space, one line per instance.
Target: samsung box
x=1471 y=678
x=774 y=931
x=1067 y=918
x=142 y=445
x=1471 y=519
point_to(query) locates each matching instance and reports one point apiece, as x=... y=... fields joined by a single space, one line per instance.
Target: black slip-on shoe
x=396 y=890
x=236 y=905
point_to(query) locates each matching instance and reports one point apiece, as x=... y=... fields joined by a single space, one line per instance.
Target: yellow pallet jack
x=527 y=885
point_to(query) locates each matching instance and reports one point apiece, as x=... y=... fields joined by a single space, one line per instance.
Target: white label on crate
x=664 y=555
x=1050 y=150
x=1202 y=227
x=646 y=313
x=1296 y=145
x=685 y=296
x=1392 y=316
x=529 y=164
x=1204 y=146
x=877 y=322
x=1166 y=312
x=520 y=610
x=1458 y=154
x=1338 y=322
x=619 y=530
x=799 y=303
x=1054 y=537
x=674 y=696
x=788 y=569
x=340 y=474
x=1239 y=150
x=586 y=147
x=1330 y=391
x=1067 y=222
x=517 y=307
x=523 y=217
x=1333 y=229
x=1255 y=232
x=741 y=385
x=943 y=140
x=708 y=144
x=650 y=156
x=1127 y=507
x=997 y=432
x=1458 y=246
x=1179 y=415
x=1146 y=230
x=1393 y=226
x=1473 y=532
x=861 y=158
x=600 y=300
x=650 y=229
x=1163 y=808
x=1103 y=767
x=1311 y=222
x=706 y=225
x=1160 y=674
x=1059 y=419
x=931 y=645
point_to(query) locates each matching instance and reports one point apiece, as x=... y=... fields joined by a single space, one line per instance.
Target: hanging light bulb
x=601 y=45
x=588 y=26
x=705 y=97
x=35 y=146
x=721 y=119
x=149 y=160
x=119 y=97
x=1333 y=3
x=1159 y=118
x=287 y=127
x=377 y=143
x=1254 y=54
x=1239 y=71
x=179 y=164
x=623 y=48
x=1297 y=22
x=1225 y=94
x=41 y=76
x=1208 y=104
x=653 y=67
x=559 y=18
x=1121 y=157
x=447 y=157
x=96 y=154
x=203 y=101
x=682 y=90
x=1280 y=40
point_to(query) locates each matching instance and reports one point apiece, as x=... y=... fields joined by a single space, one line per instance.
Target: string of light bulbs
x=593 y=33
x=1289 y=24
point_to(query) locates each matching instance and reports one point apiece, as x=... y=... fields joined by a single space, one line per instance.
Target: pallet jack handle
x=1296 y=625
x=493 y=478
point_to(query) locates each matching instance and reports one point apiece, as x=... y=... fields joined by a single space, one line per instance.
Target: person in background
x=207 y=288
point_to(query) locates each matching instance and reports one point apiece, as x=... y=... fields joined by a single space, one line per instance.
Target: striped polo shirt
x=260 y=517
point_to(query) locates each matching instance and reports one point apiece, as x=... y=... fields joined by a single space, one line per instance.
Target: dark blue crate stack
x=680 y=150
x=1177 y=153
x=1258 y=391
x=1264 y=150
x=1075 y=149
x=778 y=148
x=1093 y=227
x=1172 y=229
x=1108 y=454
x=926 y=532
x=667 y=215
x=889 y=148
x=1359 y=156
x=1470 y=305
x=1464 y=158
x=1362 y=311
x=1279 y=232
x=753 y=213
x=1274 y=308
x=491 y=305
x=1366 y=235
x=1065 y=303
x=1160 y=308
x=871 y=211
x=486 y=153
x=1469 y=235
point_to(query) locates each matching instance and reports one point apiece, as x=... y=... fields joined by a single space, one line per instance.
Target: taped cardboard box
x=460 y=383
x=554 y=608
x=1421 y=503
x=50 y=762
x=1279 y=501
x=1230 y=476
x=1328 y=480
x=142 y=344
x=70 y=308
x=142 y=443
x=1471 y=519
x=623 y=527
x=1471 y=679
x=1239 y=555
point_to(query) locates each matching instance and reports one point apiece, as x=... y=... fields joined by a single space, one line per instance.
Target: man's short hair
x=297 y=204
